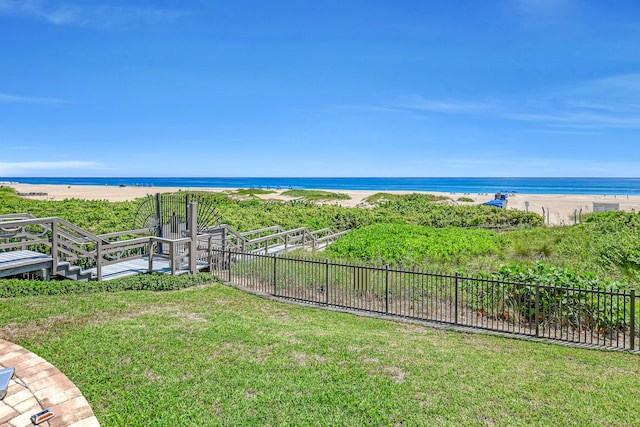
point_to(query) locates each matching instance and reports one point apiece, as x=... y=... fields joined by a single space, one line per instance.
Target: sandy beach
x=561 y=207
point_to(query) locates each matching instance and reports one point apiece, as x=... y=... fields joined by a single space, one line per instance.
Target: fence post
x=632 y=327
x=172 y=256
x=537 y=314
x=229 y=265
x=99 y=259
x=193 y=234
x=210 y=253
x=386 y=289
x=150 y=253
x=275 y=274
x=224 y=239
x=54 y=246
x=455 y=302
x=326 y=282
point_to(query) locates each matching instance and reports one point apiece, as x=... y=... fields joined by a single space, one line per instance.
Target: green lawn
x=213 y=355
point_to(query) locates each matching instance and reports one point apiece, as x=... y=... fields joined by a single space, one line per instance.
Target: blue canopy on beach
x=497 y=203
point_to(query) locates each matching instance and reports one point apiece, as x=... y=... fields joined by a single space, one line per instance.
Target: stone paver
x=37 y=385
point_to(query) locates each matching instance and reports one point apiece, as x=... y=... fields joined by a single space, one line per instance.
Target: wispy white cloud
x=621 y=85
x=97 y=16
x=24 y=147
x=25 y=168
x=577 y=119
x=419 y=103
x=6 y=98
x=610 y=102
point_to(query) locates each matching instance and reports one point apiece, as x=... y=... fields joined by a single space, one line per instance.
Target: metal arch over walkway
x=56 y=247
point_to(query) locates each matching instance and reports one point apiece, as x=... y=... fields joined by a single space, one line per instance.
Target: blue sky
x=501 y=88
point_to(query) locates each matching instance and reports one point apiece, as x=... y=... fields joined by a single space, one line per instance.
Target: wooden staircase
x=56 y=247
x=73 y=272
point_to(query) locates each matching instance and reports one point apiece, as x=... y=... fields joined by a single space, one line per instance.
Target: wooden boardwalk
x=113 y=255
x=23 y=261
x=132 y=267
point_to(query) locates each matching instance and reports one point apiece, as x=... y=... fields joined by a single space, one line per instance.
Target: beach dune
x=558 y=208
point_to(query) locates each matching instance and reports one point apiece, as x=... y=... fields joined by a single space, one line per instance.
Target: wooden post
x=54 y=246
x=150 y=253
x=193 y=234
x=159 y=219
x=224 y=239
x=99 y=259
x=172 y=257
x=210 y=253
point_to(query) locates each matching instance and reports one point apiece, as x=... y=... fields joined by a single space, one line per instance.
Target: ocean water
x=608 y=186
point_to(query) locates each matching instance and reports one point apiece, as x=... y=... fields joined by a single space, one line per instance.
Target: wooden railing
x=66 y=242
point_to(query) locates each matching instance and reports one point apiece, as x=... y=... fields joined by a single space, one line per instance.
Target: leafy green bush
x=251 y=191
x=564 y=298
x=96 y=216
x=465 y=199
x=413 y=245
x=419 y=209
x=146 y=282
x=626 y=219
x=316 y=195
x=605 y=248
x=379 y=198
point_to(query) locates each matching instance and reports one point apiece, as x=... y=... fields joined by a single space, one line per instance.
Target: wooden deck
x=133 y=267
x=23 y=261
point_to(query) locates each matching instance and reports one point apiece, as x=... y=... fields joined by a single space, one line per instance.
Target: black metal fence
x=591 y=317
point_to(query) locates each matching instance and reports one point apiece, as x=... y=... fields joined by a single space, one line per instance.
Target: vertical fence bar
x=228 y=264
x=386 y=289
x=326 y=282
x=455 y=302
x=537 y=313
x=99 y=259
x=275 y=275
x=632 y=326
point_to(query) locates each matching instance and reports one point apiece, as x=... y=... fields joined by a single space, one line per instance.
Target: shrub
x=565 y=298
x=146 y=282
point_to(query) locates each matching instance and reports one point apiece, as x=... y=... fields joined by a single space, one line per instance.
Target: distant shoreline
x=561 y=207
x=588 y=186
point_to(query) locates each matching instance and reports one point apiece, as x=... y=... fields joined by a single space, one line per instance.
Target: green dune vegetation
x=250 y=192
x=193 y=352
x=414 y=231
x=316 y=195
